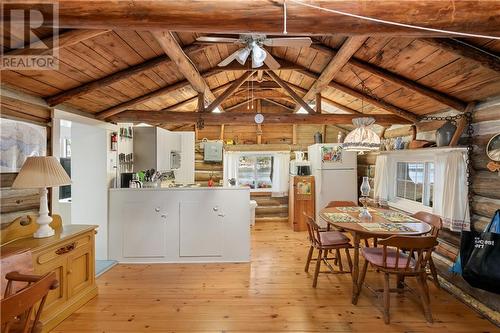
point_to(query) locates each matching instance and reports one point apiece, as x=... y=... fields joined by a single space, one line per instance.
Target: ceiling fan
x=254 y=45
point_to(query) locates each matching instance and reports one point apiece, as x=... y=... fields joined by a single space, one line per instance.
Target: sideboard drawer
x=67 y=247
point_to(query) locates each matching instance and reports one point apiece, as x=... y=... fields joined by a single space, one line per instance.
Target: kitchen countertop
x=181 y=189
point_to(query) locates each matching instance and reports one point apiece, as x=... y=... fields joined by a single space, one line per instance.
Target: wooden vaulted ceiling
x=106 y=72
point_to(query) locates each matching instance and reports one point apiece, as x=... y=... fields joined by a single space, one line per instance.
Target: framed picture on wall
x=19 y=140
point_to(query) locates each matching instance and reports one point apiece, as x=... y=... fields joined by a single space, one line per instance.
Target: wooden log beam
x=149 y=96
x=118 y=76
x=278 y=104
x=172 y=48
x=290 y=91
x=65 y=39
x=326 y=100
x=376 y=102
x=485 y=58
x=237 y=105
x=350 y=46
x=264 y=94
x=397 y=79
x=246 y=118
x=215 y=16
x=318 y=102
x=228 y=92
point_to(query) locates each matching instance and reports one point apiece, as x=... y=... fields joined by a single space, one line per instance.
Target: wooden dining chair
x=437 y=224
x=18 y=310
x=324 y=242
x=402 y=256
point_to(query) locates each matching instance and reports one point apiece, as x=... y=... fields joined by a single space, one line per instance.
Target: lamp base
x=43 y=220
x=44 y=231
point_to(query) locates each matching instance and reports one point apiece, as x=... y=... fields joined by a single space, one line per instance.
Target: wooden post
x=221 y=137
x=196 y=133
x=324 y=134
x=294 y=134
x=201 y=102
x=318 y=103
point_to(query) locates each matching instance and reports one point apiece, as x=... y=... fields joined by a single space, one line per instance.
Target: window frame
x=403 y=204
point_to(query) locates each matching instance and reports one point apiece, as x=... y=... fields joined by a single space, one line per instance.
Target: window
x=415 y=181
x=255 y=171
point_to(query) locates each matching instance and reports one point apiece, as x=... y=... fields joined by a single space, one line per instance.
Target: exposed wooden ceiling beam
x=263 y=94
x=278 y=104
x=397 y=79
x=118 y=76
x=485 y=58
x=228 y=92
x=376 y=102
x=215 y=16
x=359 y=95
x=290 y=91
x=348 y=48
x=149 y=96
x=211 y=118
x=260 y=85
x=326 y=100
x=172 y=48
x=237 y=105
x=65 y=39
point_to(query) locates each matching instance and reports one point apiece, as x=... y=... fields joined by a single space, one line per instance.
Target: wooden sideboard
x=69 y=253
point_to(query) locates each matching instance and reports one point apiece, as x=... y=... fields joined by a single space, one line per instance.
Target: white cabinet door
x=144 y=230
x=201 y=229
x=162 y=150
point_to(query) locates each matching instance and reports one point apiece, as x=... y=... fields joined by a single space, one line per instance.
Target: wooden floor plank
x=270 y=294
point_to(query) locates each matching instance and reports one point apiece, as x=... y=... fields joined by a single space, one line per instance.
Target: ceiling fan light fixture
x=242 y=55
x=258 y=55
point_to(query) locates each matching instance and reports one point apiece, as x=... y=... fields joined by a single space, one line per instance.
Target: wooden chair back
x=313 y=230
x=333 y=204
x=416 y=247
x=433 y=220
x=17 y=309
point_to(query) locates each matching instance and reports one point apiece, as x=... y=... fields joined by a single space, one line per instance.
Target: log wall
x=16 y=203
x=485 y=187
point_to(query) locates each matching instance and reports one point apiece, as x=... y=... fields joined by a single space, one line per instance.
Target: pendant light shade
x=242 y=55
x=362 y=138
x=258 y=56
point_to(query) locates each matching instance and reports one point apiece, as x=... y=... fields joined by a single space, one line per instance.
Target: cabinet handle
x=66 y=249
x=163 y=216
x=221 y=215
x=215 y=209
x=157 y=209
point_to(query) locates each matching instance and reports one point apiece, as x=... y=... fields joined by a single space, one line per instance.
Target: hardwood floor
x=272 y=294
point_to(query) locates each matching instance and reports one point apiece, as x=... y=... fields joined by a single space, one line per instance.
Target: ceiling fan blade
x=208 y=39
x=229 y=59
x=289 y=41
x=270 y=61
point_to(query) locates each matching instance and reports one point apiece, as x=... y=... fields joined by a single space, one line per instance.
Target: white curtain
x=450 y=190
x=382 y=181
x=281 y=170
x=231 y=160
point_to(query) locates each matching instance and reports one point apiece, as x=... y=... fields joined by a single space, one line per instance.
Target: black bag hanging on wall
x=480 y=255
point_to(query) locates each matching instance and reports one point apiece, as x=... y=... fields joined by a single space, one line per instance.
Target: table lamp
x=42 y=172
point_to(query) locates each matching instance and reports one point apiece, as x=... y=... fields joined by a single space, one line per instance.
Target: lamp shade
x=41 y=172
x=362 y=138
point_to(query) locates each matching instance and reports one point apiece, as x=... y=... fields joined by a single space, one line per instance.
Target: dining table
x=382 y=224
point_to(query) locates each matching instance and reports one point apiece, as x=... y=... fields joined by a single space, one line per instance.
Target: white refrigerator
x=335 y=174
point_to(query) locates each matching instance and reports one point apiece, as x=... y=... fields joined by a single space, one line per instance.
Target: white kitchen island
x=172 y=225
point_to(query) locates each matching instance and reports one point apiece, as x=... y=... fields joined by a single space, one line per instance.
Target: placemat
x=353 y=209
x=386 y=227
x=397 y=217
x=341 y=217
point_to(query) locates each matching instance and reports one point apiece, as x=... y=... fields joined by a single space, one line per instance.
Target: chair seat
x=375 y=256
x=332 y=238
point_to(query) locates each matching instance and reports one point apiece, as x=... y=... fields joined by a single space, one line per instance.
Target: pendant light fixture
x=362 y=138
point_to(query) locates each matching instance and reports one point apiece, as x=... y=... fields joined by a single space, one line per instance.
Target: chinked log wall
x=15 y=203
x=486 y=195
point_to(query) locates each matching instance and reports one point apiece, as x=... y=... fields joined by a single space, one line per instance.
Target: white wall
x=89 y=174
